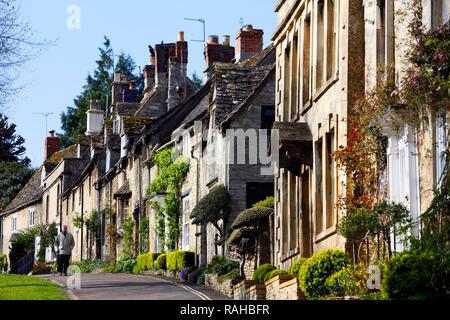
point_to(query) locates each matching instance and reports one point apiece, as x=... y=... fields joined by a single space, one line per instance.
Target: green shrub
x=412 y=275
x=234 y=275
x=295 y=268
x=185 y=259
x=124 y=265
x=351 y=280
x=260 y=274
x=140 y=263
x=151 y=258
x=221 y=265
x=269 y=202
x=276 y=272
x=87 y=266
x=171 y=260
x=318 y=268
x=3 y=263
x=160 y=263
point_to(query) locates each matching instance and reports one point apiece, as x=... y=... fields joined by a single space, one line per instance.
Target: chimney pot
x=51 y=133
x=181 y=36
x=213 y=39
x=226 y=41
x=248 y=27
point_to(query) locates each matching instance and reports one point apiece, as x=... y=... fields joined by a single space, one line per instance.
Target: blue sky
x=54 y=79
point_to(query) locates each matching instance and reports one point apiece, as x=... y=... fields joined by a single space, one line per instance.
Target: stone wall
x=239 y=290
x=256 y=292
x=225 y=287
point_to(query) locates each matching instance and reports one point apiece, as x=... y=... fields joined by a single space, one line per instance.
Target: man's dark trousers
x=63 y=263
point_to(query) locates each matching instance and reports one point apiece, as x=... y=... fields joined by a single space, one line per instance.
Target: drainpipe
x=82 y=217
x=98 y=235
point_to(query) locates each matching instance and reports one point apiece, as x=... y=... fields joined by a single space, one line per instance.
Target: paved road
x=134 y=287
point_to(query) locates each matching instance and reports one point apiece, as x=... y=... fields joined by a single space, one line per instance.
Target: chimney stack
x=94 y=118
x=52 y=144
x=216 y=52
x=177 y=83
x=249 y=42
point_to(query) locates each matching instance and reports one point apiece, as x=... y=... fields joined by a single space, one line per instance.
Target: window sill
x=325 y=234
x=321 y=91
x=290 y=254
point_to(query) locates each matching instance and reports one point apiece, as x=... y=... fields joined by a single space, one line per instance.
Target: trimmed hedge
x=160 y=263
x=276 y=272
x=171 y=260
x=145 y=261
x=412 y=276
x=177 y=260
x=260 y=274
x=318 y=268
x=185 y=259
x=234 y=275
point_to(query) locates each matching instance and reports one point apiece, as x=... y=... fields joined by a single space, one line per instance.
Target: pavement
x=105 y=286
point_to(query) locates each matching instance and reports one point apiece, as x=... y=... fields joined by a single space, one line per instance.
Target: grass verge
x=15 y=287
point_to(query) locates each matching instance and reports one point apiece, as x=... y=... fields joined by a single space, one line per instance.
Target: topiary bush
x=260 y=274
x=411 y=275
x=295 y=268
x=160 y=263
x=318 y=268
x=171 y=260
x=185 y=259
x=276 y=272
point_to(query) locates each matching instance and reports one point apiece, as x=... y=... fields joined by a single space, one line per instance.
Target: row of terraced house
x=304 y=84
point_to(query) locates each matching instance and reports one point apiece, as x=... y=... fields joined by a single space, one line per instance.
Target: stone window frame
x=31 y=217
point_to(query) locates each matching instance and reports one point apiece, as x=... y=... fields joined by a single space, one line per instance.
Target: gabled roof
x=262 y=70
x=28 y=195
x=126 y=108
x=234 y=83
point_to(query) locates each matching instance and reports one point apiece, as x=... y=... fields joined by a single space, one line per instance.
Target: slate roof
x=234 y=83
x=261 y=71
x=126 y=108
x=30 y=193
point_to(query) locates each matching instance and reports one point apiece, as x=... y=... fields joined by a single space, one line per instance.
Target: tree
x=17 y=46
x=197 y=81
x=11 y=144
x=13 y=176
x=97 y=87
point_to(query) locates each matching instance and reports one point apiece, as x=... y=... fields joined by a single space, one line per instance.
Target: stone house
x=320 y=51
x=328 y=52
x=28 y=208
x=416 y=157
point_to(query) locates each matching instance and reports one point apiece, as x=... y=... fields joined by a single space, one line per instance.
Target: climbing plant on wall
x=409 y=97
x=172 y=172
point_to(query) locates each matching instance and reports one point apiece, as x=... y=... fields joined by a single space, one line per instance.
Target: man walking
x=64 y=245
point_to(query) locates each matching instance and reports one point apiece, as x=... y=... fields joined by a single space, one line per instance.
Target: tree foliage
x=97 y=87
x=13 y=176
x=11 y=144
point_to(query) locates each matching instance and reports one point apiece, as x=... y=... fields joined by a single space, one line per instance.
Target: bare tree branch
x=18 y=45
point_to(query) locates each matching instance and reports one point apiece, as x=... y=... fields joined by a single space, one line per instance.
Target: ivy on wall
x=172 y=172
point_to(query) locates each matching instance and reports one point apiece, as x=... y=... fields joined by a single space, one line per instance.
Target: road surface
x=103 y=286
